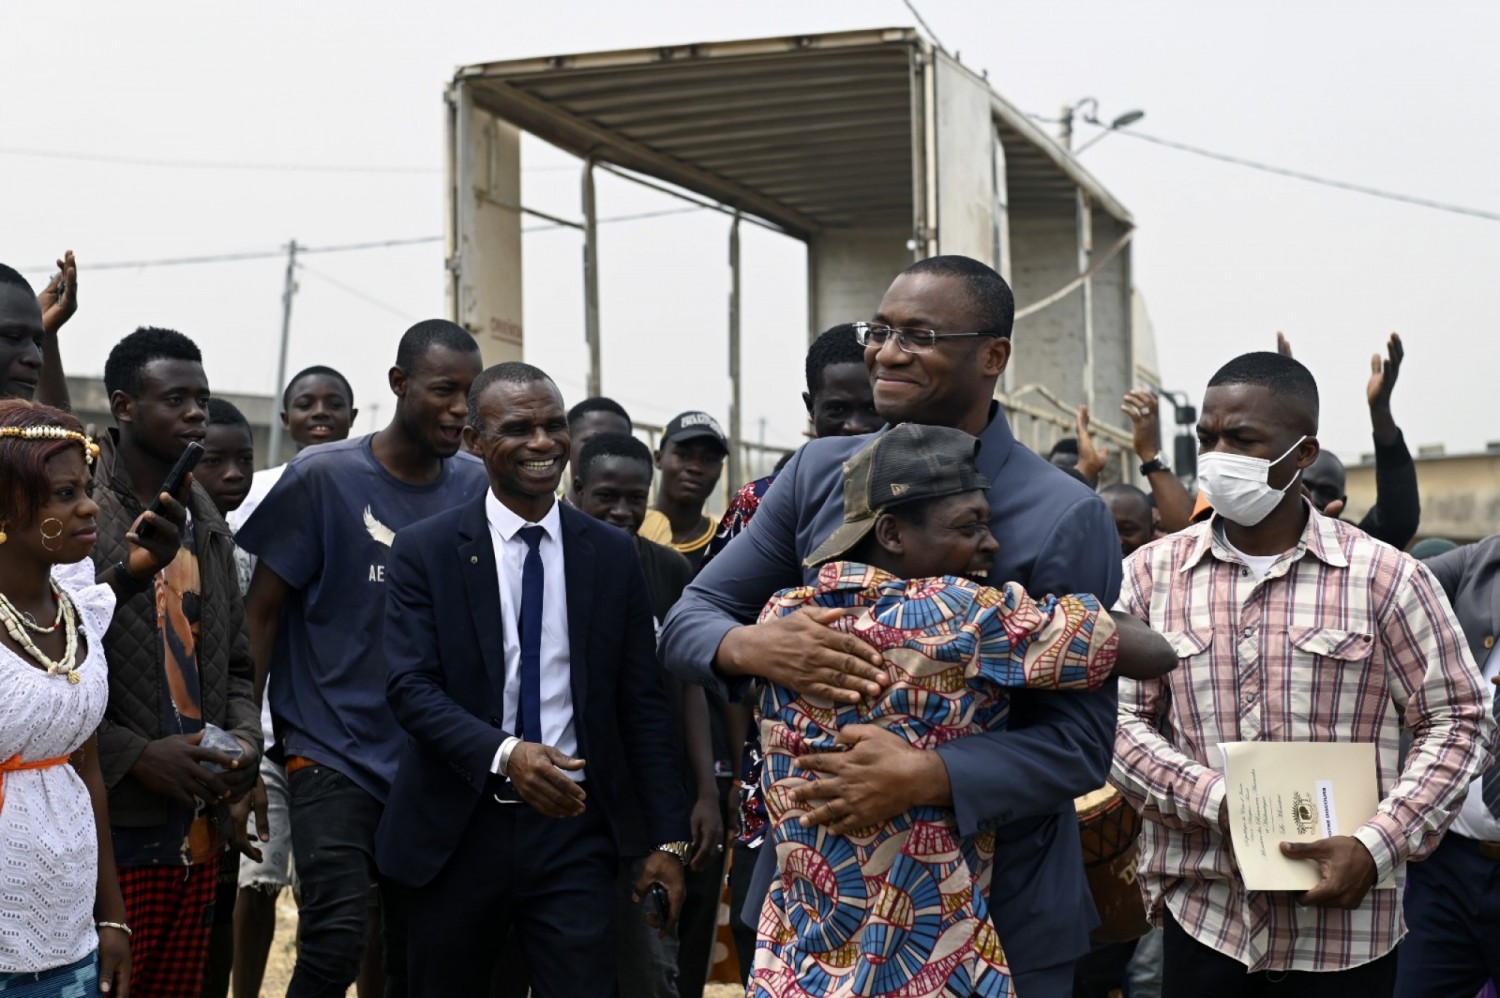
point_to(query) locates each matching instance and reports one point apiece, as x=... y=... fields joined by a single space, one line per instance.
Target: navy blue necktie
x=529 y=717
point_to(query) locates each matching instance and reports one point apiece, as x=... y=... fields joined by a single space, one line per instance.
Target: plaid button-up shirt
x=1343 y=639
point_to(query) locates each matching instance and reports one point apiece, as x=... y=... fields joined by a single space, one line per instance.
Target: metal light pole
x=286 y=335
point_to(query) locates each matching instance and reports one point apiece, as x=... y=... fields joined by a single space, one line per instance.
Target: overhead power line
x=355 y=292
x=204 y=164
x=181 y=261
x=1311 y=178
x=208 y=164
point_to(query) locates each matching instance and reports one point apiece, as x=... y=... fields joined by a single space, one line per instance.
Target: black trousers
x=549 y=879
x=1192 y=970
x=1452 y=945
x=333 y=825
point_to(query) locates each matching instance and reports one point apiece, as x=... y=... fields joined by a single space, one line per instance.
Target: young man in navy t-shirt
x=317 y=599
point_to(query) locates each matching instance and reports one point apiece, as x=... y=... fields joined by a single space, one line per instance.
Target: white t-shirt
x=260 y=487
x=1259 y=564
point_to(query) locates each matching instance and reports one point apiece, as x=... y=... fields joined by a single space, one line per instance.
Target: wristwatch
x=682 y=850
x=1154 y=465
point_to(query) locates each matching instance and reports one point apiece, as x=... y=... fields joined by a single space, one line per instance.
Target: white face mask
x=1237 y=486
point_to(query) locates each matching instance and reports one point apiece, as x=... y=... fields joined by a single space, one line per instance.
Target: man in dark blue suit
x=522 y=666
x=935 y=351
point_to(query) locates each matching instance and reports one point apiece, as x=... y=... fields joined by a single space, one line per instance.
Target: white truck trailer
x=874 y=147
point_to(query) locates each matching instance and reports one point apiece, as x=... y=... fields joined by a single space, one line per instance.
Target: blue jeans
x=333 y=836
x=76 y=980
x=1452 y=944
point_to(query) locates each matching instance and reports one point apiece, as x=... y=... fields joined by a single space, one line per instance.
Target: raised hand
x=1283 y=345
x=58 y=309
x=1143 y=409
x=1090 y=459
x=1383 y=373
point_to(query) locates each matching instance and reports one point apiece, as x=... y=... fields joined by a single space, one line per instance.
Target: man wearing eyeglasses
x=934 y=350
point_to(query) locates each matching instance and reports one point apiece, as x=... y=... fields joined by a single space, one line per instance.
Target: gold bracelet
x=115 y=925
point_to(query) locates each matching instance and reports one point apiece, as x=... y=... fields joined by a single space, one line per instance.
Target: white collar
x=506 y=523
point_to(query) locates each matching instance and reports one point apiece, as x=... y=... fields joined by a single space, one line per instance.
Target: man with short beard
x=935 y=350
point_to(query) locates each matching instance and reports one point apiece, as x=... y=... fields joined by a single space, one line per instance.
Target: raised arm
x=57 y=309
x=1173 y=501
x=1059 y=745
x=1397 y=512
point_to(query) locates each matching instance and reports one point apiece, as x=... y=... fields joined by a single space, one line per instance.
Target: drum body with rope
x=1111 y=831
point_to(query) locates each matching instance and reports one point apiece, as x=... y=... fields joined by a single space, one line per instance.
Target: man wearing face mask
x=1293 y=627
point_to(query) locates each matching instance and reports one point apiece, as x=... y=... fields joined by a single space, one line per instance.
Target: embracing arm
x=416 y=684
x=710 y=637
x=731 y=589
x=1059 y=745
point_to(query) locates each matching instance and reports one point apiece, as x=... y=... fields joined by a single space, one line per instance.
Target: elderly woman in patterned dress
x=62 y=919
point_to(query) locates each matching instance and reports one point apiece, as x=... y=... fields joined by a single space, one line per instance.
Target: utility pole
x=591 y=279
x=736 y=479
x=286 y=335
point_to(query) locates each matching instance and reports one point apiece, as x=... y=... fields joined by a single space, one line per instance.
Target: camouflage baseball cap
x=906 y=463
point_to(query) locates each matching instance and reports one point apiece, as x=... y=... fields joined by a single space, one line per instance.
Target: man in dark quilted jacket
x=181 y=735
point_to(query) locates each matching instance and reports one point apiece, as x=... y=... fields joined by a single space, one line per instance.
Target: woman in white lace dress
x=62 y=919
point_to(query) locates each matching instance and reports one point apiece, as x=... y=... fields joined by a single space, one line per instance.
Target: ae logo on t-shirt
x=382 y=535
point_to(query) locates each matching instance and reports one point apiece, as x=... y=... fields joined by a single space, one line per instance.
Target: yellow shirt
x=656 y=527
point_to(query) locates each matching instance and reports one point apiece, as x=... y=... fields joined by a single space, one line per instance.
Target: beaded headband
x=90 y=448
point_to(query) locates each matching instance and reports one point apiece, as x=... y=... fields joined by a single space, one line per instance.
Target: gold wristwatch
x=682 y=850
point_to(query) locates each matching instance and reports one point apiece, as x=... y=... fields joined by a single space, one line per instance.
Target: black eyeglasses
x=909 y=340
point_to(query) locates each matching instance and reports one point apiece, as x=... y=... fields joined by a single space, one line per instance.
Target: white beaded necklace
x=16 y=627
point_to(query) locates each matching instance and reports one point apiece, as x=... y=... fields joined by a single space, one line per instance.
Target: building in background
x=1460 y=492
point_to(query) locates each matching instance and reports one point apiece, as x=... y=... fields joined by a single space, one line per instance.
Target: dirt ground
x=284 y=954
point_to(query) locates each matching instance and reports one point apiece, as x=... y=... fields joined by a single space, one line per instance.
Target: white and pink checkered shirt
x=1343 y=639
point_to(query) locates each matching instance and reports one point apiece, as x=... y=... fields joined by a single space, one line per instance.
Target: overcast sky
x=1390 y=95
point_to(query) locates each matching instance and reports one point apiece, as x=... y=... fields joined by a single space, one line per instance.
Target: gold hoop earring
x=52 y=536
x=3 y=536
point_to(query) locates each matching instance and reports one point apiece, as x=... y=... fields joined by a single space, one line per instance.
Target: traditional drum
x=1111 y=829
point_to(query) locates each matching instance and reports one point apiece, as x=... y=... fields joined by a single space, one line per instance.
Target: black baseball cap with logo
x=694 y=425
x=906 y=463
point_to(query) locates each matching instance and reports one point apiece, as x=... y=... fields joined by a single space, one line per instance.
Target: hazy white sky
x=1386 y=94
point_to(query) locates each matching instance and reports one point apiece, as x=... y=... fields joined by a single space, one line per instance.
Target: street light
x=1088 y=110
x=1123 y=121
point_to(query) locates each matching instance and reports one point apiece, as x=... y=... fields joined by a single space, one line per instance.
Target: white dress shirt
x=556 y=671
x=1474 y=818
